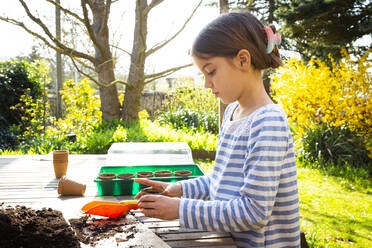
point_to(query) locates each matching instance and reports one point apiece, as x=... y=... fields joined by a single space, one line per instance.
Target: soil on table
x=90 y=230
x=25 y=227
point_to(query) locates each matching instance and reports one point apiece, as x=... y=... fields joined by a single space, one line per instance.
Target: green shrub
x=190 y=119
x=337 y=145
x=98 y=142
x=7 y=139
x=36 y=113
x=111 y=124
x=192 y=107
x=193 y=97
x=17 y=78
x=156 y=132
x=135 y=132
x=44 y=144
x=101 y=138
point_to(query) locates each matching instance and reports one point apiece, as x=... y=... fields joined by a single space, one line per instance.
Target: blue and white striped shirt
x=252 y=191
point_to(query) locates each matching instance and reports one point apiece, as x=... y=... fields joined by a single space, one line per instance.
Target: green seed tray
x=120 y=186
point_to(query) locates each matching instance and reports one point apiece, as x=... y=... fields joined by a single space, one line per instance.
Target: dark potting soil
x=25 y=227
x=90 y=230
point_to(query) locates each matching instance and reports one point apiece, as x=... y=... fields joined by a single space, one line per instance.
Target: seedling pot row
x=119 y=180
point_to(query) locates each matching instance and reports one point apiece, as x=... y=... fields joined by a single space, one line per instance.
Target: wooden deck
x=29 y=180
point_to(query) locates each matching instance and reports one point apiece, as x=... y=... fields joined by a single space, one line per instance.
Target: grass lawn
x=336 y=211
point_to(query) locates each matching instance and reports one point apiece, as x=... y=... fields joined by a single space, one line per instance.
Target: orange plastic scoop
x=109 y=209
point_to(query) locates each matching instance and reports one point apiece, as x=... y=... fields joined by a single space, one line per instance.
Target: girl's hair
x=229 y=33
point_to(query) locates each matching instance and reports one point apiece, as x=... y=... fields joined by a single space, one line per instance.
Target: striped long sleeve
x=197 y=188
x=253 y=186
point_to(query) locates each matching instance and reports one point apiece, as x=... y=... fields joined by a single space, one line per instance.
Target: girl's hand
x=159 y=206
x=169 y=189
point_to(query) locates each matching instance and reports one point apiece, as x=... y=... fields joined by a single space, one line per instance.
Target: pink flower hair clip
x=272 y=39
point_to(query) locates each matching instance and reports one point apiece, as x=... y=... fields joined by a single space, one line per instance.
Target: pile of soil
x=91 y=230
x=21 y=226
x=25 y=227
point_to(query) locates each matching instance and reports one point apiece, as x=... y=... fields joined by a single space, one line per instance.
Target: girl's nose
x=207 y=83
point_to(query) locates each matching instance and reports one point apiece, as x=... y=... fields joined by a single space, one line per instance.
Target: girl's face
x=223 y=77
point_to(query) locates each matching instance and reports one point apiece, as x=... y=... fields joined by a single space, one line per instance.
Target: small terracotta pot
x=69 y=187
x=60 y=162
x=107 y=176
x=60 y=154
x=151 y=191
x=182 y=173
x=60 y=168
x=126 y=175
x=143 y=174
x=163 y=173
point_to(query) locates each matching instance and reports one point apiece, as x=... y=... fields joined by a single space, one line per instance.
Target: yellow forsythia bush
x=143 y=114
x=82 y=108
x=336 y=95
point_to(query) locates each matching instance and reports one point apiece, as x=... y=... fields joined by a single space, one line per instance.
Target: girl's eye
x=212 y=72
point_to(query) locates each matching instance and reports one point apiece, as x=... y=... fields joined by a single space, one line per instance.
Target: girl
x=252 y=191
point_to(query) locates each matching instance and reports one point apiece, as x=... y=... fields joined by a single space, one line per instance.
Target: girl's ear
x=243 y=59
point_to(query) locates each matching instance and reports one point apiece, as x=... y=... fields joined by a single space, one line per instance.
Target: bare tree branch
x=83 y=63
x=151 y=5
x=81 y=72
x=121 y=49
x=158 y=75
x=21 y=24
x=96 y=81
x=64 y=49
x=104 y=62
x=117 y=81
x=90 y=30
x=66 y=10
x=163 y=43
x=153 y=79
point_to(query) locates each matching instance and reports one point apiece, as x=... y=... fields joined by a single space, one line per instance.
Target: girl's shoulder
x=269 y=110
x=269 y=115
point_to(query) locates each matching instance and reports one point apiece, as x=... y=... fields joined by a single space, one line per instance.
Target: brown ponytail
x=229 y=33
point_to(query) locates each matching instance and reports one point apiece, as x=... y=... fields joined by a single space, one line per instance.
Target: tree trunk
x=104 y=67
x=224 y=8
x=272 y=8
x=110 y=105
x=133 y=92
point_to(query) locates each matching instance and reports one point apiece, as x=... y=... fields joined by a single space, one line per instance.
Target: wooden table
x=29 y=180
